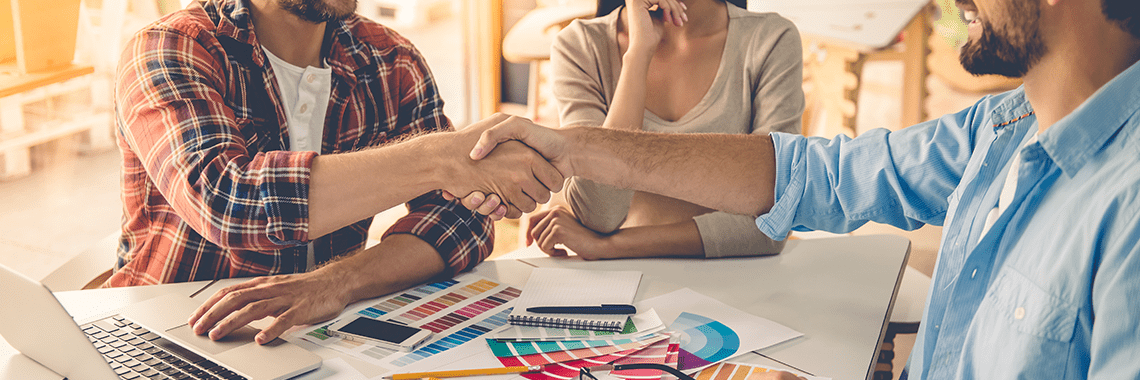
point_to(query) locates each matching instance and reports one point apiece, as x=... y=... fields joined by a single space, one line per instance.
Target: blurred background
x=868 y=64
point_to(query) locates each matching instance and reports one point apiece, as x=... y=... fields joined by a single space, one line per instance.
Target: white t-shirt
x=306 y=93
x=1009 y=188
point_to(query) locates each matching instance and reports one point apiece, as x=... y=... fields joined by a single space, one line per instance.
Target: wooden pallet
x=18 y=134
x=37 y=45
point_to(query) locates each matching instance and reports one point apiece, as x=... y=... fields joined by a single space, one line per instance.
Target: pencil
x=465 y=372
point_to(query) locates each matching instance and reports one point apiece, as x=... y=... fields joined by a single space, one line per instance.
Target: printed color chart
x=457 y=311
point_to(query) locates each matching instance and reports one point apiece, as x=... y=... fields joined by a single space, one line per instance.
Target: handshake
x=505 y=165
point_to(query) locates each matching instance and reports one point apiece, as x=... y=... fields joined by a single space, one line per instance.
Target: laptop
x=144 y=341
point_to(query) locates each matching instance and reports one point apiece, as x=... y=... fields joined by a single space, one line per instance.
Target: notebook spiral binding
x=564 y=323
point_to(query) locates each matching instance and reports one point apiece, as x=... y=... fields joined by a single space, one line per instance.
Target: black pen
x=603 y=309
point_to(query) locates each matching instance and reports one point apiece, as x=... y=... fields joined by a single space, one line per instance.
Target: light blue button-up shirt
x=1052 y=291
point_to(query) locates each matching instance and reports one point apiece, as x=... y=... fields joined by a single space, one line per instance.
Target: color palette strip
x=468 y=312
x=735 y=371
x=391 y=304
x=729 y=371
x=457 y=338
x=547 y=357
x=445 y=301
x=569 y=370
x=507 y=349
x=656 y=353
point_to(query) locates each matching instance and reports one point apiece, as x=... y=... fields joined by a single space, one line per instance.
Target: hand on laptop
x=292 y=299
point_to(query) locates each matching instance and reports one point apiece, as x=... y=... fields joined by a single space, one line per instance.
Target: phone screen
x=380 y=330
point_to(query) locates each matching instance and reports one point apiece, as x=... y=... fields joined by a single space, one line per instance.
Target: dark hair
x=607 y=6
x=1125 y=13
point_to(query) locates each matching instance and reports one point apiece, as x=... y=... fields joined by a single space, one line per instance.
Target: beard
x=318 y=11
x=1009 y=50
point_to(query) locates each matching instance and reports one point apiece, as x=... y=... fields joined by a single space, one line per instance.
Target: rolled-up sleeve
x=730 y=235
x=462 y=238
x=777 y=106
x=902 y=178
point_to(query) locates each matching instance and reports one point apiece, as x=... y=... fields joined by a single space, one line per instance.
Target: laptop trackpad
x=238 y=338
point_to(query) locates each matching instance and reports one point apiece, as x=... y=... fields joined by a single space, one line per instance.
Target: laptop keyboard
x=135 y=353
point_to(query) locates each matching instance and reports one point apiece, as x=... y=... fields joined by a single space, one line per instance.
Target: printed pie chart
x=703 y=341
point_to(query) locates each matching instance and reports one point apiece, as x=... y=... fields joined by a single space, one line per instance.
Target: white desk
x=838 y=292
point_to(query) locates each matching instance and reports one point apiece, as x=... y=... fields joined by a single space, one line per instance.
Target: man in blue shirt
x=1038 y=276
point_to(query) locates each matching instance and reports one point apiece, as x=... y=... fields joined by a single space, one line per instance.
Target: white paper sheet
x=751 y=332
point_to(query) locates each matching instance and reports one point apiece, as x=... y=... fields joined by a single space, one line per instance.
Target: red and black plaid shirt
x=209 y=187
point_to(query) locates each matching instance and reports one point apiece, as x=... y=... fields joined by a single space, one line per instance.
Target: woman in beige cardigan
x=697 y=66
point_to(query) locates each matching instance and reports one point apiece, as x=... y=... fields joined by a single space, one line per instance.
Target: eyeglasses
x=585 y=372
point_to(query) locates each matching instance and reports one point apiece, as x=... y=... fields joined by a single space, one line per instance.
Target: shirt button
x=310 y=78
x=304 y=108
x=974 y=273
x=1019 y=313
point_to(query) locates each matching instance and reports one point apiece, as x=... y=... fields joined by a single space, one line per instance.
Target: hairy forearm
x=731 y=173
x=664 y=240
x=628 y=108
x=397 y=262
x=346 y=188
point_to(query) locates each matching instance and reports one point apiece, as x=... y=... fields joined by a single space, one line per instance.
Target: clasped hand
x=513 y=180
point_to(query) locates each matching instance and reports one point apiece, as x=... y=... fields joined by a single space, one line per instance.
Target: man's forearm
x=346 y=188
x=732 y=173
x=398 y=262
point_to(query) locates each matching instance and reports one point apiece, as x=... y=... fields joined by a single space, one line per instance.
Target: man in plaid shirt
x=259 y=138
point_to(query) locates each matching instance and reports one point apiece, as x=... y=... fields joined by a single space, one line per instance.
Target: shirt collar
x=1083 y=134
x=1011 y=110
x=345 y=53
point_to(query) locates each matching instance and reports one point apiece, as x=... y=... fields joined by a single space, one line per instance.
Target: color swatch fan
x=704 y=341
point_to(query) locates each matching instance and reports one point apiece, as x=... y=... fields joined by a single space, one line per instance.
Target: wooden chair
x=87 y=270
x=529 y=41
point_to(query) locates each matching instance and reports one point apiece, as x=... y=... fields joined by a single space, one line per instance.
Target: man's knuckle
x=285 y=319
x=235 y=295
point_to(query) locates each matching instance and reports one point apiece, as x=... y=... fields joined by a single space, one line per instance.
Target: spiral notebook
x=574 y=287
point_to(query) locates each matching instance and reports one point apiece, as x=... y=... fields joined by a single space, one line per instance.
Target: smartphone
x=384 y=333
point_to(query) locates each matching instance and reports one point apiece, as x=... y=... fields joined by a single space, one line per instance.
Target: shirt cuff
x=284 y=191
x=462 y=238
x=599 y=207
x=731 y=235
x=789 y=190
